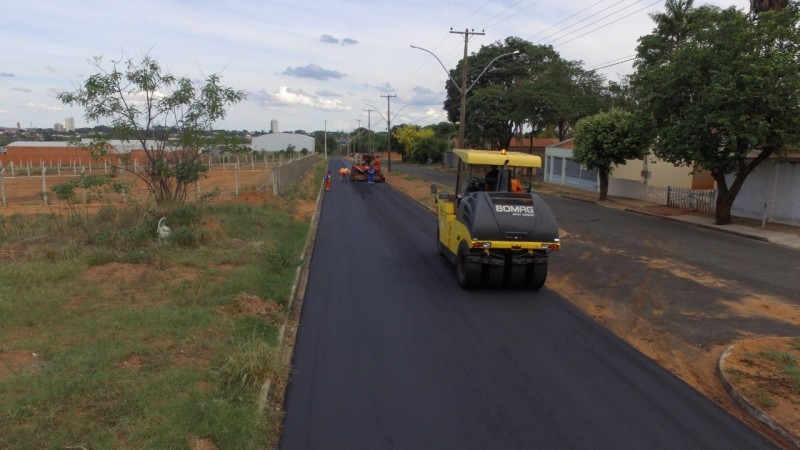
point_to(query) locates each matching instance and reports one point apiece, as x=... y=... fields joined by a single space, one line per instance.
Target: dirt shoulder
x=752 y=374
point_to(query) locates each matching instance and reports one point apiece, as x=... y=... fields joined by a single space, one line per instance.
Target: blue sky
x=309 y=65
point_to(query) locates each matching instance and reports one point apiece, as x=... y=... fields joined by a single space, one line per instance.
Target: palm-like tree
x=674 y=21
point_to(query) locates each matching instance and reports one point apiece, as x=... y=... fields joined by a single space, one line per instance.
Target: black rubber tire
x=535 y=275
x=495 y=276
x=467 y=273
x=516 y=276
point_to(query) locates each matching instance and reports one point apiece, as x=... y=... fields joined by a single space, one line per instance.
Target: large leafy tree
x=565 y=93
x=606 y=140
x=725 y=96
x=169 y=117
x=534 y=87
x=491 y=118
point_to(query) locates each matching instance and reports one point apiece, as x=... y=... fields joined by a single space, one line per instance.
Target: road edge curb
x=745 y=404
x=296 y=297
x=700 y=225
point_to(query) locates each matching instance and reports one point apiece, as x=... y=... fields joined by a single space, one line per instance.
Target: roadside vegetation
x=111 y=337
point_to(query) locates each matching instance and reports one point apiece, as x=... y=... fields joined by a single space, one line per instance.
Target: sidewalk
x=786 y=235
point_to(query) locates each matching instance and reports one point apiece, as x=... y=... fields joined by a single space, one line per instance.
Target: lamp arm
x=490 y=65
x=441 y=64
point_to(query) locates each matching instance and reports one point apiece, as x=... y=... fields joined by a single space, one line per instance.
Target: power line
x=603 y=26
x=472 y=13
x=489 y=24
x=589 y=24
x=612 y=62
x=581 y=21
x=566 y=19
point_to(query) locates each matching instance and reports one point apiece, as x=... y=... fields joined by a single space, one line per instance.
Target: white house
x=769 y=193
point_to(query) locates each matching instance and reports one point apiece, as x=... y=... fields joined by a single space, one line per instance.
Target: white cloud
x=312 y=71
x=43 y=106
x=286 y=96
x=263 y=51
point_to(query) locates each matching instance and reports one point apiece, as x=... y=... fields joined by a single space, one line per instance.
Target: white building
x=275 y=142
x=69 y=123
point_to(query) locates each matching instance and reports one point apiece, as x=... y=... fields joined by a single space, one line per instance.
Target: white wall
x=662 y=173
x=773 y=183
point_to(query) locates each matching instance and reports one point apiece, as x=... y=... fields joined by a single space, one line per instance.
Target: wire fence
x=24 y=183
x=695 y=200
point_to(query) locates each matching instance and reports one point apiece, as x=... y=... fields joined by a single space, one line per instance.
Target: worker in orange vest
x=328 y=181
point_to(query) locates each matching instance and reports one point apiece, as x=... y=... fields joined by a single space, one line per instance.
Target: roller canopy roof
x=498 y=158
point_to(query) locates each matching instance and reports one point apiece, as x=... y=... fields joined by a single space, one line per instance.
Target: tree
x=429 y=149
x=320 y=143
x=605 y=140
x=490 y=119
x=674 y=22
x=726 y=98
x=407 y=136
x=169 y=117
x=757 y=6
x=534 y=87
x=560 y=96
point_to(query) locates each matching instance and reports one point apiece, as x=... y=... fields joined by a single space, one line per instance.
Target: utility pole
x=356 y=137
x=389 y=128
x=463 y=113
x=369 y=128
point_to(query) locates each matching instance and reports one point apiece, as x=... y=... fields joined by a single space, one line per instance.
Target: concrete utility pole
x=356 y=137
x=463 y=112
x=389 y=128
x=369 y=128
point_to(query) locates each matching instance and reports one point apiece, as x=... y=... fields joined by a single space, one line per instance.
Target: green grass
x=787 y=364
x=764 y=400
x=150 y=350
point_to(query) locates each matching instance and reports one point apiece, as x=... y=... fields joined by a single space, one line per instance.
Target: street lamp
x=464 y=89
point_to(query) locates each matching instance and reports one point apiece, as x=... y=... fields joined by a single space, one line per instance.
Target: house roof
x=569 y=143
x=537 y=142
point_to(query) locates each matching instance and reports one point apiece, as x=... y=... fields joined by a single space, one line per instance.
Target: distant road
x=391 y=353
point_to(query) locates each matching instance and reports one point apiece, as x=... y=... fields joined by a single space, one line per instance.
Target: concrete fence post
x=83 y=184
x=3 y=186
x=236 y=177
x=44 y=185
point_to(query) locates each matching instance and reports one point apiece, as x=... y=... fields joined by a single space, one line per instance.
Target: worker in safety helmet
x=371 y=174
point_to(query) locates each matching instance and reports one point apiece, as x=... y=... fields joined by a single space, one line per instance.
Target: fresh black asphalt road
x=391 y=353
